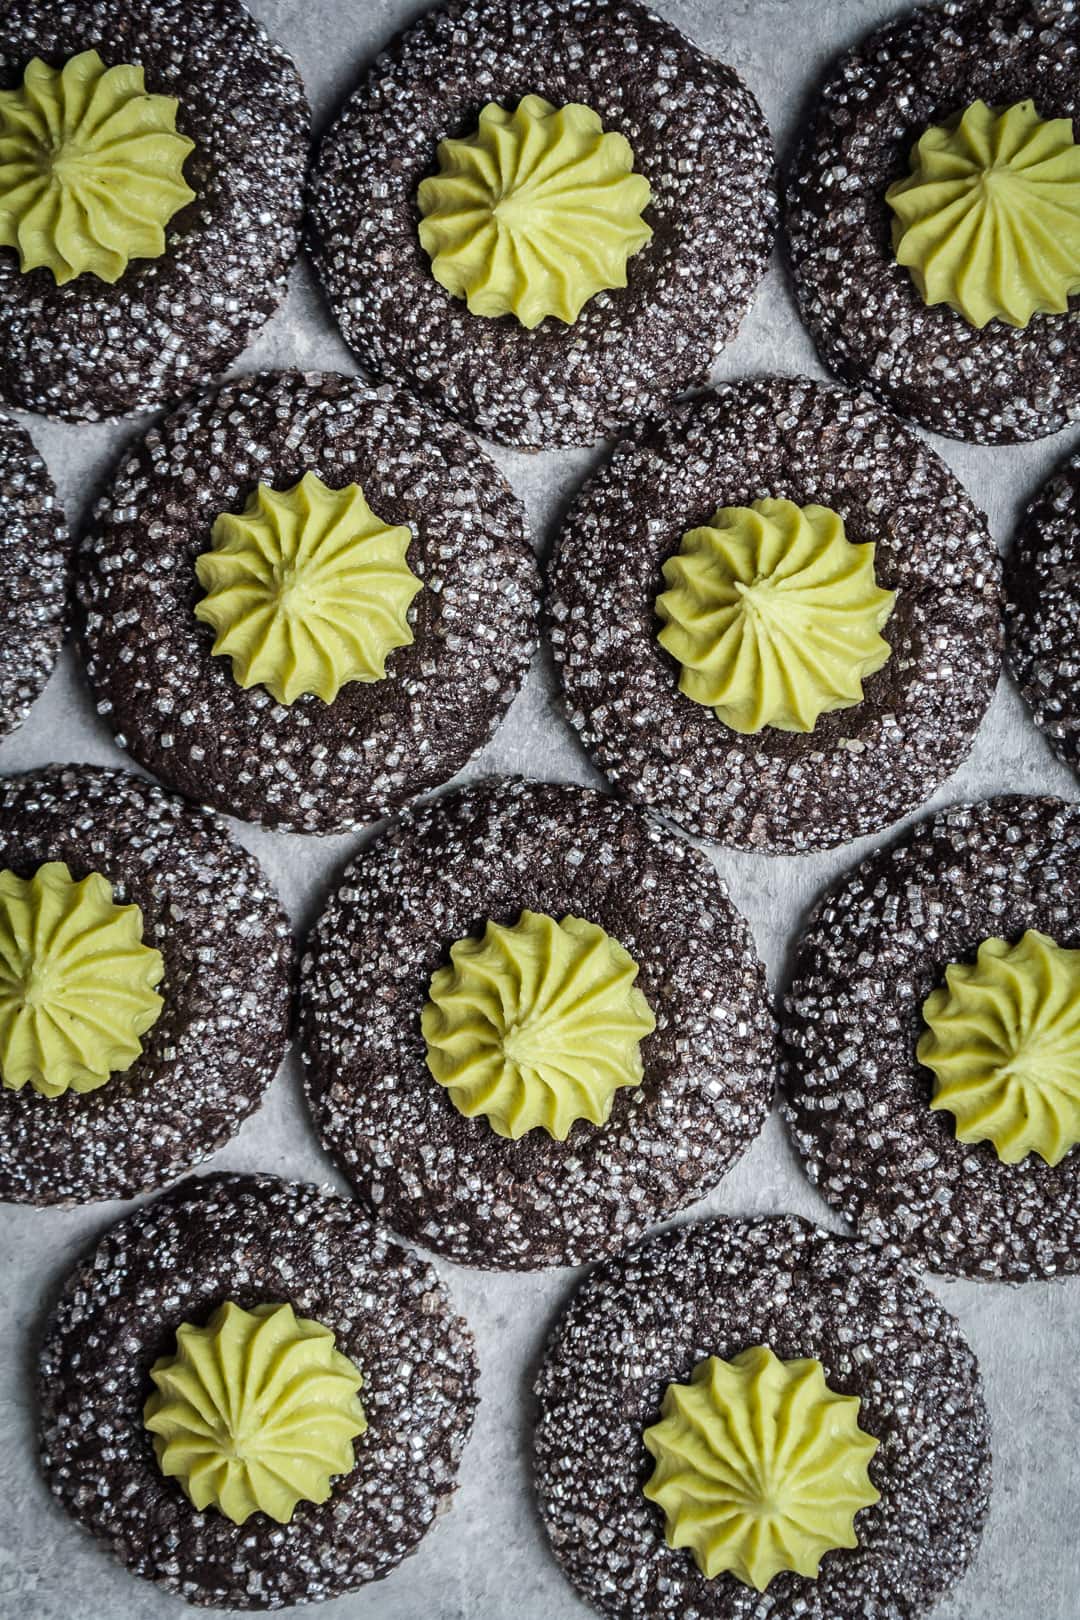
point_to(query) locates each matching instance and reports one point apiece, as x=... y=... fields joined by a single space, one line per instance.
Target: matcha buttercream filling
x=91 y=168
x=537 y=1025
x=760 y=1467
x=988 y=220
x=533 y=213
x=1003 y=1041
x=307 y=590
x=76 y=981
x=255 y=1412
x=773 y=616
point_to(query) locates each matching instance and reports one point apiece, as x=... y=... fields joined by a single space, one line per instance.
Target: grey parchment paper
x=488 y=1557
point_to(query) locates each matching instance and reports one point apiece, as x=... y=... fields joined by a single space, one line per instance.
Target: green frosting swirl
x=91 y=168
x=1003 y=1040
x=307 y=590
x=255 y=1412
x=534 y=213
x=76 y=982
x=760 y=1466
x=537 y=1025
x=774 y=615
x=988 y=221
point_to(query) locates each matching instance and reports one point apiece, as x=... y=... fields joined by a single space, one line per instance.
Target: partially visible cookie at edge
x=990 y=384
x=721 y=1288
x=90 y=349
x=857 y=1098
x=1042 y=610
x=34 y=556
x=208 y=908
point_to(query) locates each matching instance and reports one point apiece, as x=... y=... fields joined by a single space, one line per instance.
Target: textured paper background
x=489 y=1557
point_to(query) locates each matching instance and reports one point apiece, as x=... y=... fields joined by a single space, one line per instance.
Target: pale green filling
x=773 y=615
x=534 y=213
x=759 y=1466
x=536 y=1026
x=307 y=590
x=76 y=982
x=988 y=221
x=255 y=1412
x=91 y=168
x=1003 y=1041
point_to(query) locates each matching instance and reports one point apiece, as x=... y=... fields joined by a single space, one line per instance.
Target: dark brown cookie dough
x=699 y=138
x=860 y=768
x=254 y=1240
x=452 y=1183
x=34 y=551
x=91 y=350
x=858 y=1101
x=994 y=385
x=719 y=1287
x=310 y=766
x=209 y=909
x=1042 y=610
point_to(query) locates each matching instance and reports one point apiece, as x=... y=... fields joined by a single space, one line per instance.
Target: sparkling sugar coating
x=861 y=768
x=89 y=351
x=244 y=1237
x=452 y=1184
x=309 y=767
x=699 y=139
x=992 y=385
x=715 y=1288
x=222 y=1032
x=34 y=553
x=1042 y=610
x=857 y=1098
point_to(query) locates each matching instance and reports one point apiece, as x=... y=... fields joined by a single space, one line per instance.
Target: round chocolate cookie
x=450 y=1182
x=717 y=1288
x=1042 y=610
x=858 y=1100
x=254 y=1240
x=860 y=768
x=208 y=908
x=995 y=384
x=91 y=349
x=698 y=137
x=34 y=550
x=309 y=766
